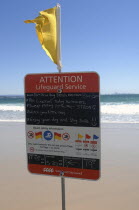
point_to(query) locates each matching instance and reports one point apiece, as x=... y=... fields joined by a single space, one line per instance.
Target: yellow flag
x=46 y=28
x=80 y=136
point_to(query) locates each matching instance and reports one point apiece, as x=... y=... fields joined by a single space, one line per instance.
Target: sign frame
x=61 y=172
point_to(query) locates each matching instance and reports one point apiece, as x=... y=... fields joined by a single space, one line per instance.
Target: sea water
x=12 y=108
x=116 y=108
x=120 y=108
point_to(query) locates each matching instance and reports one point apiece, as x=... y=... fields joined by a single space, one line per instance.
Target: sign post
x=63 y=125
x=63 y=193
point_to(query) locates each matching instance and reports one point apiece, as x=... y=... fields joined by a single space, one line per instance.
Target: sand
x=118 y=187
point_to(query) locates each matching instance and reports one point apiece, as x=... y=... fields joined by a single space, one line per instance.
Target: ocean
x=116 y=108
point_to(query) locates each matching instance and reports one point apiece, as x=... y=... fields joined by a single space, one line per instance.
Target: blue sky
x=97 y=35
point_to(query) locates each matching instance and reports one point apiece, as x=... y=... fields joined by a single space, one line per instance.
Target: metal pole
x=58 y=15
x=59 y=67
x=63 y=193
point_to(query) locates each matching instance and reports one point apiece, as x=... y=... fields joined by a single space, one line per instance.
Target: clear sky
x=97 y=35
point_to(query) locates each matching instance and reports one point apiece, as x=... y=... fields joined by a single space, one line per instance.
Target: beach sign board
x=63 y=124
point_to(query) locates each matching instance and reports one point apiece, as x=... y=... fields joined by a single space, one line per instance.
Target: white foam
x=9 y=120
x=120 y=109
x=109 y=113
x=11 y=108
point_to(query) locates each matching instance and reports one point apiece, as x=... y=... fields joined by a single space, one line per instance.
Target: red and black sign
x=66 y=99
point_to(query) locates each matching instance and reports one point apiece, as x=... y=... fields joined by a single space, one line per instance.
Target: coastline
x=118 y=187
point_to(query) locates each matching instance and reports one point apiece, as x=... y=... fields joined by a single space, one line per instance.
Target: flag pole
x=59 y=67
x=58 y=15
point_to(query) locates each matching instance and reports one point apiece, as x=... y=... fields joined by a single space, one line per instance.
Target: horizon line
x=100 y=94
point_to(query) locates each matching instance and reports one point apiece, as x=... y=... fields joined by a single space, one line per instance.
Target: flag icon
x=38 y=135
x=87 y=136
x=95 y=137
x=80 y=136
x=57 y=136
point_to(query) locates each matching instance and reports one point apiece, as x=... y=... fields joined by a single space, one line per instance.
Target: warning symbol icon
x=66 y=136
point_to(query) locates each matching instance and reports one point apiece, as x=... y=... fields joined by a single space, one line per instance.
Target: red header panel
x=67 y=82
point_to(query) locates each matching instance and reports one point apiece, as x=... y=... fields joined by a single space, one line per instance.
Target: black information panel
x=64 y=161
x=63 y=109
x=36 y=159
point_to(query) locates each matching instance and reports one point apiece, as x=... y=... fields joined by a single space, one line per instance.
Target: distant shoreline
x=108 y=94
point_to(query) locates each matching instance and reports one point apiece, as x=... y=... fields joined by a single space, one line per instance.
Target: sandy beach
x=118 y=187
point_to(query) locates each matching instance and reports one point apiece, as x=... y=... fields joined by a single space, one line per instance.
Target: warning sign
x=62 y=124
